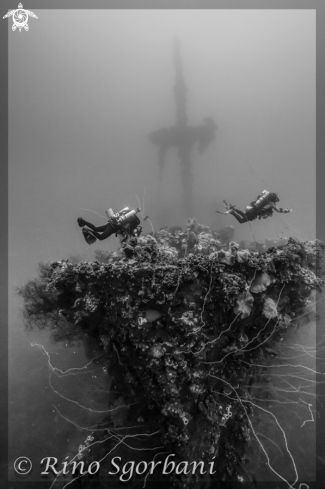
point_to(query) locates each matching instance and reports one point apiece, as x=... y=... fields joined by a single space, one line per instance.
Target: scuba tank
x=126 y=217
x=261 y=200
x=123 y=211
x=109 y=213
x=127 y=222
x=123 y=219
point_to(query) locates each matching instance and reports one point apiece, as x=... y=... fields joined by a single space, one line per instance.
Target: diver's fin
x=88 y=236
x=228 y=206
x=81 y=222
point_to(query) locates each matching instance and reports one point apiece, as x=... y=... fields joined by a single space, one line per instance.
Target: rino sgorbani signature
x=127 y=470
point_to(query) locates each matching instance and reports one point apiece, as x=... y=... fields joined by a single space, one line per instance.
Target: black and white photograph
x=164 y=289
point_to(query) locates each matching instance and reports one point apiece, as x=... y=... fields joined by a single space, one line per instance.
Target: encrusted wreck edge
x=181 y=318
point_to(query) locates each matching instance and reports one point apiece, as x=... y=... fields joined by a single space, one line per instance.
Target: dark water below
x=49 y=412
x=42 y=422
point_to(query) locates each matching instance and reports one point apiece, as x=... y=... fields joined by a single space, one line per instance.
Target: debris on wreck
x=177 y=315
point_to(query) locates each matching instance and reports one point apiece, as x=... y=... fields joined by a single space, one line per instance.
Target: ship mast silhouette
x=181 y=135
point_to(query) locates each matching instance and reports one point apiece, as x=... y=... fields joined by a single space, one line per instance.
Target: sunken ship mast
x=182 y=136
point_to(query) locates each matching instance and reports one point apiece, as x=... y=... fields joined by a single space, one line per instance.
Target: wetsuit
x=106 y=231
x=251 y=214
x=103 y=232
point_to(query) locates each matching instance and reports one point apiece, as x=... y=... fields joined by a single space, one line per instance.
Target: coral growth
x=178 y=316
x=261 y=283
x=244 y=304
x=269 y=308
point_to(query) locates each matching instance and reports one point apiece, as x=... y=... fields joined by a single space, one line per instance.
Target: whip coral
x=164 y=321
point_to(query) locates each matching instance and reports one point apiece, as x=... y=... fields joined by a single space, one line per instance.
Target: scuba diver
x=124 y=223
x=262 y=207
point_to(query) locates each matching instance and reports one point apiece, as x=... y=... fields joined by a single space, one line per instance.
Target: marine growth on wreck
x=185 y=321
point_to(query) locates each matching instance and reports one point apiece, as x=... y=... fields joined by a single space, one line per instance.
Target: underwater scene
x=166 y=304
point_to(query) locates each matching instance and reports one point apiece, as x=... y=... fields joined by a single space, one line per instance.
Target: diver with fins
x=262 y=207
x=124 y=223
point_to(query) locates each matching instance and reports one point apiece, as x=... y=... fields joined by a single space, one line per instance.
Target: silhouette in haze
x=182 y=136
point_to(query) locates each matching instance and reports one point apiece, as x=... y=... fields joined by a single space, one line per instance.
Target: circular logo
x=20 y=18
x=22 y=466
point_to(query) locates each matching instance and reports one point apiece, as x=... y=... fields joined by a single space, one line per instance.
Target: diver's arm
x=279 y=209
